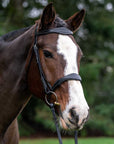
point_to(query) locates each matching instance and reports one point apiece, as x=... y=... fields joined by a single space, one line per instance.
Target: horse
x=53 y=64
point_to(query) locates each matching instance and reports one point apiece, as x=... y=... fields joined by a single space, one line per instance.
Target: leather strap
x=46 y=85
x=58 y=30
x=72 y=76
x=56 y=123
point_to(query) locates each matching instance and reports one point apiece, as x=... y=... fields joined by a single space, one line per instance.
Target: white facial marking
x=69 y=50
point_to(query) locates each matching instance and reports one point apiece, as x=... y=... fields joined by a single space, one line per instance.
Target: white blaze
x=69 y=50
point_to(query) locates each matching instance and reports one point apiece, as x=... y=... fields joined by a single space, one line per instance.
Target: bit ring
x=50 y=104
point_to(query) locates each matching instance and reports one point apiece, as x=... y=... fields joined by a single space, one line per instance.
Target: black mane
x=13 y=34
x=58 y=22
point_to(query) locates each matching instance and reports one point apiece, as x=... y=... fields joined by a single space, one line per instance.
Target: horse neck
x=14 y=93
x=14 y=34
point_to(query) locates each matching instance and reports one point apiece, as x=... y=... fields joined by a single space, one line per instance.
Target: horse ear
x=48 y=16
x=76 y=20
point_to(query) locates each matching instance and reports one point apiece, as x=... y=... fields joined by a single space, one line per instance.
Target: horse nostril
x=74 y=116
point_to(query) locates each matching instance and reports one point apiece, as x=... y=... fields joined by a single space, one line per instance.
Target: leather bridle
x=73 y=76
x=49 y=90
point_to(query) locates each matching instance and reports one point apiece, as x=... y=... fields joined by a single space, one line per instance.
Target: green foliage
x=24 y=128
x=100 y=126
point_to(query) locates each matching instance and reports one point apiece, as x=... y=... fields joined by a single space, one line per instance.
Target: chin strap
x=57 y=126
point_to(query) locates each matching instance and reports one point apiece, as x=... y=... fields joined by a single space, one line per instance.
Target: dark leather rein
x=49 y=90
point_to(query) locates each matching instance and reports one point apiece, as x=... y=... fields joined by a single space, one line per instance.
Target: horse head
x=60 y=56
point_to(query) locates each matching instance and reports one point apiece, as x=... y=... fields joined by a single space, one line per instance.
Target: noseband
x=49 y=90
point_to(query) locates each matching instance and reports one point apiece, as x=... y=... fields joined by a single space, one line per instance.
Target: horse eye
x=47 y=54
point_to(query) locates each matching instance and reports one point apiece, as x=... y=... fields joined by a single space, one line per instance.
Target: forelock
x=58 y=22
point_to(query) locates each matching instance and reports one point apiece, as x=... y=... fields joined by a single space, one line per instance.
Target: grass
x=69 y=141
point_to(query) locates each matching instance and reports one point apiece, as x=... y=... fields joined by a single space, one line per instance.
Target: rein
x=49 y=90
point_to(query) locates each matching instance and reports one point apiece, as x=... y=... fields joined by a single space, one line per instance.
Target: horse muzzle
x=73 y=119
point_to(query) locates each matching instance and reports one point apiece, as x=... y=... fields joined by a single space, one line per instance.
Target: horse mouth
x=70 y=125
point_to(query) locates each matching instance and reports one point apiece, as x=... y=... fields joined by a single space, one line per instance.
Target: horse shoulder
x=12 y=135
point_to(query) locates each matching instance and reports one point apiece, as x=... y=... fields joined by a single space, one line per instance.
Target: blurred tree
x=15 y=11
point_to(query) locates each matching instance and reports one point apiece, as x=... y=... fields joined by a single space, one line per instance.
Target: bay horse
x=59 y=56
